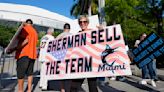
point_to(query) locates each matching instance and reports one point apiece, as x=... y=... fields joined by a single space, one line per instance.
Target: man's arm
x=24 y=43
x=136 y=43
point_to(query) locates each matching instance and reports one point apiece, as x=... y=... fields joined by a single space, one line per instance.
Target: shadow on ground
x=139 y=86
x=6 y=85
x=107 y=88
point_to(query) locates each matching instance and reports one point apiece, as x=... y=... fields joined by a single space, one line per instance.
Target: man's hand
x=9 y=51
x=100 y=27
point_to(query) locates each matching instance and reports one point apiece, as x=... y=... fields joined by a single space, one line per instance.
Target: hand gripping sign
x=96 y=53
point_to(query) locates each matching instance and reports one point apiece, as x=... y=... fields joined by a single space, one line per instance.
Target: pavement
x=8 y=81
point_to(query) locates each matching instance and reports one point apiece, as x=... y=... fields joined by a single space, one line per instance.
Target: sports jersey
x=63 y=35
x=43 y=46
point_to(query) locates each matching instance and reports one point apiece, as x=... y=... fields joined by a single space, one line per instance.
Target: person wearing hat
x=66 y=32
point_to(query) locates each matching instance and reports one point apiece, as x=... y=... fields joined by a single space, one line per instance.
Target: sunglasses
x=80 y=22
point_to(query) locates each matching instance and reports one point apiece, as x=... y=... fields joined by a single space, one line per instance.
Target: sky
x=62 y=7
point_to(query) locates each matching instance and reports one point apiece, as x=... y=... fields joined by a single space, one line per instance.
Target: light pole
x=102 y=12
x=89 y=9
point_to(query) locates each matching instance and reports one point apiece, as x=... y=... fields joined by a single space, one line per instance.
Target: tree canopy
x=135 y=16
x=8 y=31
x=6 y=34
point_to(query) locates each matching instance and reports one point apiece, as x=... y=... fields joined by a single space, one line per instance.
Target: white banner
x=96 y=53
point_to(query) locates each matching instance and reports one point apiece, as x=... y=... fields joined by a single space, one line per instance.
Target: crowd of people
x=26 y=55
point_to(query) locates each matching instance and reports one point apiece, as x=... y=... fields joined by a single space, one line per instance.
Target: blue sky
x=59 y=6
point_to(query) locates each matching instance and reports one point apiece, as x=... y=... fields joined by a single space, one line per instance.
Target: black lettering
x=77 y=40
x=64 y=43
x=100 y=36
x=117 y=67
x=80 y=64
x=73 y=69
x=101 y=68
x=108 y=38
x=70 y=41
x=107 y=67
x=115 y=36
x=57 y=67
x=49 y=46
x=123 y=66
x=48 y=63
x=54 y=45
x=88 y=64
x=83 y=39
x=67 y=61
x=52 y=68
x=93 y=37
x=59 y=44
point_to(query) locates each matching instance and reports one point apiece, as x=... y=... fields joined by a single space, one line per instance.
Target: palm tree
x=157 y=9
x=82 y=6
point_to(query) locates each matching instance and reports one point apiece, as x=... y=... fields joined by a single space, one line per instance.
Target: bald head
x=50 y=31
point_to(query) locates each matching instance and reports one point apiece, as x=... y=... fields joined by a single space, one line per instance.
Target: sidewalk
x=137 y=72
x=161 y=74
x=130 y=85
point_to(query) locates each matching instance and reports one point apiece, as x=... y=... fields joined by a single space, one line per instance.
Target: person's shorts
x=25 y=66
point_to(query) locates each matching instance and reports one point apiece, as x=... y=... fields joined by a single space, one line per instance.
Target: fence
x=8 y=68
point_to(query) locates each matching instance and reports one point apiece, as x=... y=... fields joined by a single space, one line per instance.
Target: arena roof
x=17 y=12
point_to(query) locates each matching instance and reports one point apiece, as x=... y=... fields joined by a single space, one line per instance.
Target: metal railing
x=8 y=68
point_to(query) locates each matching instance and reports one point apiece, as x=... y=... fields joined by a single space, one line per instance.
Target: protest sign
x=149 y=49
x=14 y=41
x=96 y=53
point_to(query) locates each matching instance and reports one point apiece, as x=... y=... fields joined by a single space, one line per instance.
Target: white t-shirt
x=137 y=43
x=44 y=45
x=63 y=35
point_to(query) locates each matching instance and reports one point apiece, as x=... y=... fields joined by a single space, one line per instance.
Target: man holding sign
x=148 y=70
x=26 y=54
